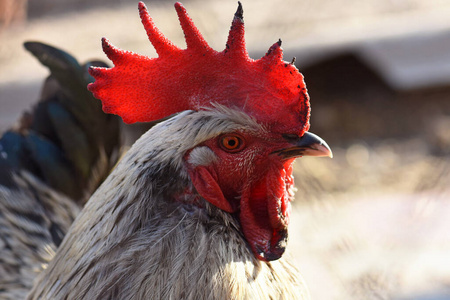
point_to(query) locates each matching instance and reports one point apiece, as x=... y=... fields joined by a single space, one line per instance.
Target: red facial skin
x=252 y=182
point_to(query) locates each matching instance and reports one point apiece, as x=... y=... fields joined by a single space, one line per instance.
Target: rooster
x=50 y=164
x=199 y=206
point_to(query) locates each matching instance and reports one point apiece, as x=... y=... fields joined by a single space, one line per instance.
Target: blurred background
x=374 y=221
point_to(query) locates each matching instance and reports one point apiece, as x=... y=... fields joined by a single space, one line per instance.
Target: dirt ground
x=371 y=223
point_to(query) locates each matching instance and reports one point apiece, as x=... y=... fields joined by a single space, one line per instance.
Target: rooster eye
x=231 y=143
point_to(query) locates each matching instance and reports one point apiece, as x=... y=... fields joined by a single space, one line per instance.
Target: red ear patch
x=143 y=89
x=208 y=188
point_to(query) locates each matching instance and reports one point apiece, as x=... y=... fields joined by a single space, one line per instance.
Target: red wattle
x=265 y=211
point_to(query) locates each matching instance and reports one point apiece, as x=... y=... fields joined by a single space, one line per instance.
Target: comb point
x=161 y=44
x=193 y=37
x=95 y=72
x=236 y=39
x=274 y=52
x=113 y=53
x=239 y=12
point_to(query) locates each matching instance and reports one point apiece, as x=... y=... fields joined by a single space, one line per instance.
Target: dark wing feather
x=50 y=164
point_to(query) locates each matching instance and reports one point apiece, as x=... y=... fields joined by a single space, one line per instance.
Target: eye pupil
x=231 y=143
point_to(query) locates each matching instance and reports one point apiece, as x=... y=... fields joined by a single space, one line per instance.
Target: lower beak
x=307 y=145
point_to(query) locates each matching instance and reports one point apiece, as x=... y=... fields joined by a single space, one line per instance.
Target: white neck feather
x=146 y=234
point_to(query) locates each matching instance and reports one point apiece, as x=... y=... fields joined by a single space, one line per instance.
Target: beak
x=307 y=145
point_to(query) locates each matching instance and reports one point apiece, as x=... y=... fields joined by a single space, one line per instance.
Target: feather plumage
x=50 y=164
x=156 y=238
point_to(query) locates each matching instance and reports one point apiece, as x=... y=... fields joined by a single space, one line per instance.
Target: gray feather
x=147 y=234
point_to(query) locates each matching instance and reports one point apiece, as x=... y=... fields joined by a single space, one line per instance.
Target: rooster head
x=246 y=171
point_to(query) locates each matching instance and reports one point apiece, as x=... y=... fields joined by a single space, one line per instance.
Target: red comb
x=143 y=89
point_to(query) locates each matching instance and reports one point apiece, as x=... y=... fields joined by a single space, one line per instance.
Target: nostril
x=290 y=137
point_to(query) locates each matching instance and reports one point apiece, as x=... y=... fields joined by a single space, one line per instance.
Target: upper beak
x=307 y=145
